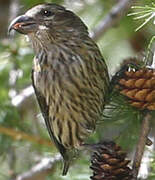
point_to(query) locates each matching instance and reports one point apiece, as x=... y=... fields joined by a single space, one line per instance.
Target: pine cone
x=109 y=163
x=139 y=87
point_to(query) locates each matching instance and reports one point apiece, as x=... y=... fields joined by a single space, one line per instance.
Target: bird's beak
x=23 y=24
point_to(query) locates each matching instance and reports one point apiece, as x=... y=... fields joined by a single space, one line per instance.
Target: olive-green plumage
x=69 y=75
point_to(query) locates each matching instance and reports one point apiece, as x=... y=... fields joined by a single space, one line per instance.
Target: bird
x=69 y=75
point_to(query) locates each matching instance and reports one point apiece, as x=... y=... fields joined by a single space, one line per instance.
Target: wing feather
x=45 y=112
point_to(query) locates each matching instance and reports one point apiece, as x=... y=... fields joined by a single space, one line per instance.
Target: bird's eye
x=47 y=13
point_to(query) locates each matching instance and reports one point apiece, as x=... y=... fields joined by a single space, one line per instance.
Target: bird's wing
x=45 y=112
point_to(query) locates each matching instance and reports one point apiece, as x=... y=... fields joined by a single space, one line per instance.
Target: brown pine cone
x=109 y=163
x=139 y=87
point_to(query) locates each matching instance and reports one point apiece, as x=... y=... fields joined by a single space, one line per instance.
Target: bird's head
x=48 y=18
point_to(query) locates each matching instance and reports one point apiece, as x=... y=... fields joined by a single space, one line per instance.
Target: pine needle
x=139 y=12
x=144 y=12
x=143 y=16
x=146 y=21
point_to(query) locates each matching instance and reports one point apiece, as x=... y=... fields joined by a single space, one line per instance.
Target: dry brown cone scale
x=139 y=86
x=109 y=163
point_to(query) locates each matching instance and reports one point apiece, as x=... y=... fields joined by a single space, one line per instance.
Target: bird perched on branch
x=69 y=75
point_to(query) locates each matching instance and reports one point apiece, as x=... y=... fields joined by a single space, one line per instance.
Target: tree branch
x=112 y=18
x=18 y=135
x=19 y=98
x=141 y=145
x=14 y=9
x=40 y=170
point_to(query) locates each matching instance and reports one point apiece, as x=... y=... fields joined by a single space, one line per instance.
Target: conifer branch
x=18 y=135
x=112 y=18
x=40 y=170
x=25 y=93
x=145 y=128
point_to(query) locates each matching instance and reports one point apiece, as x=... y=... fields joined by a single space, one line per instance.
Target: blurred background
x=24 y=141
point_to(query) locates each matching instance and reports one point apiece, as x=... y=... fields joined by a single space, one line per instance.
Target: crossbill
x=69 y=74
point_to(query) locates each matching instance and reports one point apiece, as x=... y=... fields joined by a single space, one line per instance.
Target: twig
x=14 y=9
x=13 y=12
x=40 y=170
x=141 y=145
x=145 y=167
x=112 y=18
x=19 y=98
x=18 y=135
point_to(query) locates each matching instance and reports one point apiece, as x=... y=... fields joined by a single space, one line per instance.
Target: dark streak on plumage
x=76 y=131
x=60 y=130
x=70 y=134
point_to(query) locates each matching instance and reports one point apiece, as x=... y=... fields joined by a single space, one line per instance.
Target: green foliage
x=76 y=172
x=30 y=3
x=144 y=12
x=120 y=116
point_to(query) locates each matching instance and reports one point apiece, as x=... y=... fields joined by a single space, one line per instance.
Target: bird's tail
x=68 y=157
x=66 y=167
